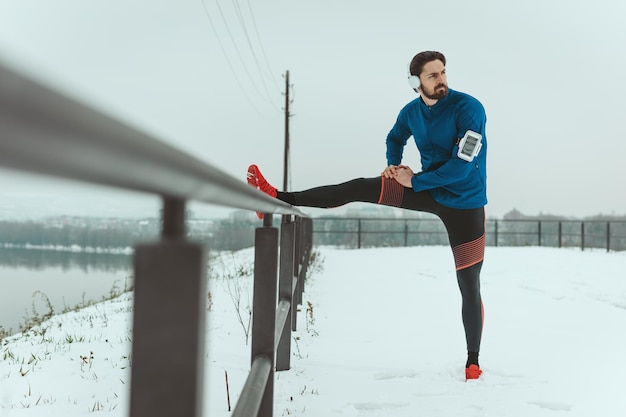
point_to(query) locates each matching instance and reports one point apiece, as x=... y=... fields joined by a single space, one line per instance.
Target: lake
x=31 y=277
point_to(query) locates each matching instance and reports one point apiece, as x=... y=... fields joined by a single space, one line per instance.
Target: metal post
x=308 y=244
x=309 y=234
x=307 y=239
x=285 y=291
x=539 y=232
x=299 y=252
x=169 y=322
x=608 y=236
x=582 y=235
x=173 y=218
x=560 y=234
x=406 y=233
x=296 y=273
x=264 y=305
x=359 y=235
x=495 y=231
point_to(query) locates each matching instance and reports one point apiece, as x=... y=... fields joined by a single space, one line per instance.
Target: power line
x=256 y=60
x=230 y=65
x=256 y=30
x=243 y=62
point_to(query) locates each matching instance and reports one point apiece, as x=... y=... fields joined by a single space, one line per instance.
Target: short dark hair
x=421 y=59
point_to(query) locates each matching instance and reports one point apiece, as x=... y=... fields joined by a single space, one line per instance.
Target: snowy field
x=379 y=334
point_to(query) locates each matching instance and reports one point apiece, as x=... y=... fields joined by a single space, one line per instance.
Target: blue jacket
x=436 y=130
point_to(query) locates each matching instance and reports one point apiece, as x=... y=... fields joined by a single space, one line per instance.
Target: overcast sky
x=208 y=79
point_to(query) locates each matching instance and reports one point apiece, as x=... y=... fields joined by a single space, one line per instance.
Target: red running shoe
x=473 y=372
x=258 y=181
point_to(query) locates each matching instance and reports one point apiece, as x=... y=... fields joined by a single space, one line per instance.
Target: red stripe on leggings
x=469 y=253
x=391 y=192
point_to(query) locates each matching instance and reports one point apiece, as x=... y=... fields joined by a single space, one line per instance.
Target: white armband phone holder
x=470 y=145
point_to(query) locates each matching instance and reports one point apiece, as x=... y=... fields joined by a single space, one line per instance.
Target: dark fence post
x=264 y=304
x=539 y=232
x=582 y=235
x=304 y=254
x=359 y=235
x=496 y=232
x=310 y=235
x=560 y=234
x=307 y=240
x=406 y=233
x=169 y=322
x=300 y=255
x=608 y=236
x=285 y=290
x=296 y=271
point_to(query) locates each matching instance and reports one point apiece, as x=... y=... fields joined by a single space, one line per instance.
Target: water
x=31 y=277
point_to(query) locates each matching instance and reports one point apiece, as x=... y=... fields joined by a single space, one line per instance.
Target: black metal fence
x=373 y=232
x=45 y=132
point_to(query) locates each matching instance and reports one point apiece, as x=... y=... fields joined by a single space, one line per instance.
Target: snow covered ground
x=379 y=334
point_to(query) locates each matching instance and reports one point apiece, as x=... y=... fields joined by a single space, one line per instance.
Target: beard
x=437 y=93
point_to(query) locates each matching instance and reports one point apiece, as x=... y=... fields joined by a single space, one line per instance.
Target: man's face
x=434 y=81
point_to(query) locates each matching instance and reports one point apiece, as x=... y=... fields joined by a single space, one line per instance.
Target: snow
x=379 y=334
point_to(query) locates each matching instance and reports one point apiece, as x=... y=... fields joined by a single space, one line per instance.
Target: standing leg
x=466 y=230
x=471 y=310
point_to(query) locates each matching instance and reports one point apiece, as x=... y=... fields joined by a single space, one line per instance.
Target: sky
x=207 y=77
x=374 y=339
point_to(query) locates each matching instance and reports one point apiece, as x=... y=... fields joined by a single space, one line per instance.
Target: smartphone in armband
x=470 y=145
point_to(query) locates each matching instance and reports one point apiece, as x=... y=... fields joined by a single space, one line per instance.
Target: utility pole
x=286 y=160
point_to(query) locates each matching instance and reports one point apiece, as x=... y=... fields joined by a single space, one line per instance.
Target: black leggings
x=465 y=227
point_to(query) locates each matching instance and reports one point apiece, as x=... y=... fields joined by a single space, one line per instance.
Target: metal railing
x=372 y=232
x=271 y=329
x=46 y=132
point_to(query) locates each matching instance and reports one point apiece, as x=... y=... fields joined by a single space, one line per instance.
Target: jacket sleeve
x=469 y=116
x=452 y=171
x=397 y=139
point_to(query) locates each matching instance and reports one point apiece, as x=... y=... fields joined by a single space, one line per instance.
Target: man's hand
x=390 y=171
x=400 y=173
x=404 y=174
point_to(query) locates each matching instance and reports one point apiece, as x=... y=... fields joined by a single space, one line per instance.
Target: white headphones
x=414 y=80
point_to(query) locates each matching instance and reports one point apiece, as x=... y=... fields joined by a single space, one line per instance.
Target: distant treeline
x=43 y=235
x=226 y=234
x=517 y=215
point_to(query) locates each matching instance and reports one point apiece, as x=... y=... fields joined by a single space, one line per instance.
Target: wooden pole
x=286 y=160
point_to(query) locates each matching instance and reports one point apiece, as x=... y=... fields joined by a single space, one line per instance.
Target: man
x=449 y=130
